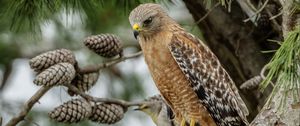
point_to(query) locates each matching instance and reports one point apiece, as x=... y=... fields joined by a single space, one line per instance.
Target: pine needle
x=284 y=68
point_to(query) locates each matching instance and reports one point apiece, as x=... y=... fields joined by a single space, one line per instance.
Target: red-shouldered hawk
x=186 y=72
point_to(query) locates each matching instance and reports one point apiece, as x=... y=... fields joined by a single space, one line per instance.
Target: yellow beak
x=136 y=27
x=136 y=30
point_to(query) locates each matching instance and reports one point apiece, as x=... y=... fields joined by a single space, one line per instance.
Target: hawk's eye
x=148 y=21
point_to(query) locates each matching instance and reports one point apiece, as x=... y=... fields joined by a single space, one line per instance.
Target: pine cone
x=60 y=73
x=107 y=113
x=47 y=59
x=106 y=45
x=72 y=111
x=84 y=82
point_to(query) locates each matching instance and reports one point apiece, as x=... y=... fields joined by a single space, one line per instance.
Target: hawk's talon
x=192 y=122
x=182 y=122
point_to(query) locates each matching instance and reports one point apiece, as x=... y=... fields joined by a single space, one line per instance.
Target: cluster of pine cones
x=59 y=67
x=77 y=110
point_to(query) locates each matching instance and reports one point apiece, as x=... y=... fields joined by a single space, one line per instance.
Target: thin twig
x=275 y=24
x=104 y=100
x=27 y=106
x=248 y=8
x=207 y=13
x=97 y=67
x=262 y=74
x=277 y=15
x=248 y=2
x=257 y=12
x=253 y=83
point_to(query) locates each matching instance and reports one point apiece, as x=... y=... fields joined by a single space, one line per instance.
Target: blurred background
x=66 y=27
x=244 y=35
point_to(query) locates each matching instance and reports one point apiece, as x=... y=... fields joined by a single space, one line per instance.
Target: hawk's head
x=147 y=19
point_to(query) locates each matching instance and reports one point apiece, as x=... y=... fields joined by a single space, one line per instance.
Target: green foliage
x=28 y=15
x=284 y=67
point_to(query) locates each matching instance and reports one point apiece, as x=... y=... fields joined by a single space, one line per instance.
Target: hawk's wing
x=212 y=84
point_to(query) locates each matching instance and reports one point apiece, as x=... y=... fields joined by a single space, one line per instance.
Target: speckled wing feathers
x=210 y=81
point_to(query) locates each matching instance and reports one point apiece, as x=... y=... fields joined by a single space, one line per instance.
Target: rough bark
x=271 y=115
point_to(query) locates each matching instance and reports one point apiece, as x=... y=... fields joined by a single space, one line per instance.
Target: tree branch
x=253 y=83
x=97 y=67
x=6 y=74
x=123 y=103
x=28 y=105
x=0 y=121
x=270 y=115
x=289 y=16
